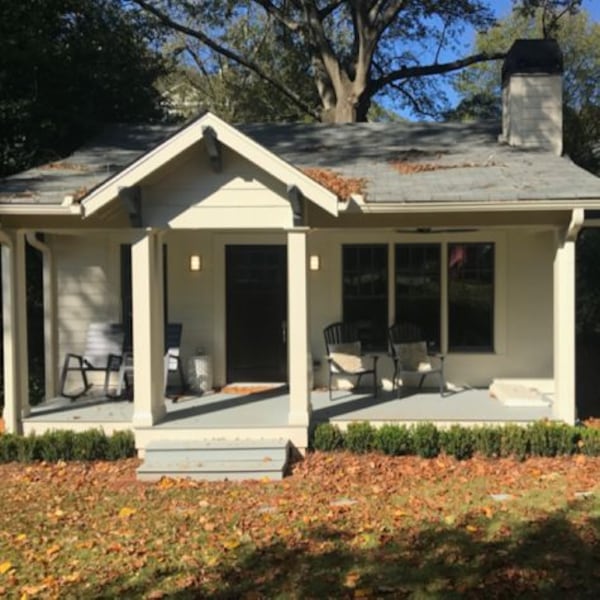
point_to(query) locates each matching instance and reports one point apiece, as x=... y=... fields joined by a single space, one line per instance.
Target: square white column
x=14 y=313
x=564 y=332
x=148 y=331
x=298 y=347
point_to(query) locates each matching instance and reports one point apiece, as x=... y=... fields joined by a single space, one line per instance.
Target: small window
x=418 y=291
x=365 y=292
x=471 y=297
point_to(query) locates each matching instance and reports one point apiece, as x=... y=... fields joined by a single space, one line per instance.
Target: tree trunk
x=349 y=106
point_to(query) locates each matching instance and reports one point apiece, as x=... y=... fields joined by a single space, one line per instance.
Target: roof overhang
x=211 y=126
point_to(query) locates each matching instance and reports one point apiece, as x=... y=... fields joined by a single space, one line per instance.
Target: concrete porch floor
x=270 y=409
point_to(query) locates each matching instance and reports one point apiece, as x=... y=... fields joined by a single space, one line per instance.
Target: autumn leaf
x=126 y=512
x=5 y=567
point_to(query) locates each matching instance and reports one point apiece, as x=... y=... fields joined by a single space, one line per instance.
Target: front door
x=256 y=308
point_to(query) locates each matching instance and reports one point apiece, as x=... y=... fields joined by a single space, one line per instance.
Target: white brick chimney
x=532 y=95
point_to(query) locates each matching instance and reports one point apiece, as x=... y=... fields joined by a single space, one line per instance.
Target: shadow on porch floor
x=270 y=409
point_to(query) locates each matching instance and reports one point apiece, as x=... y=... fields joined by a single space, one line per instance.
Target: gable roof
x=410 y=163
x=403 y=165
x=226 y=134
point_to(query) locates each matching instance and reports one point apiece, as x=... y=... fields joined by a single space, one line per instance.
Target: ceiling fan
x=436 y=230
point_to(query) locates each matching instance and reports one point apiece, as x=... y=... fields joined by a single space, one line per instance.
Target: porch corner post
x=298 y=348
x=564 y=332
x=14 y=314
x=148 y=331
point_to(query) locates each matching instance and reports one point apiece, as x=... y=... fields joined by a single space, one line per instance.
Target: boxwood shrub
x=543 y=438
x=53 y=446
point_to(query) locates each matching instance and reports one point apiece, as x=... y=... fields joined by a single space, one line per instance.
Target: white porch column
x=148 y=330
x=14 y=314
x=298 y=347
x=564 y=331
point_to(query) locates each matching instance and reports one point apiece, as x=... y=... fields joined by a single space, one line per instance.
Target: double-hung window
x=421 y=290
x=365 y=292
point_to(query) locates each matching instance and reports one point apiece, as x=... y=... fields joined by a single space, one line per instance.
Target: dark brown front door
x=256 y=313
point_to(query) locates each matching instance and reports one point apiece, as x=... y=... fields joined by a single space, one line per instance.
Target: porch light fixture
x=315 y=262
x=195 y=262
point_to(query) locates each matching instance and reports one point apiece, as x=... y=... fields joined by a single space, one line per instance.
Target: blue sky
x=502 y=9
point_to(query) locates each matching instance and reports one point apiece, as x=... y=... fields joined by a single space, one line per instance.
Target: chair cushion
x=346 y=363
x=346 y=358
x=413 y=357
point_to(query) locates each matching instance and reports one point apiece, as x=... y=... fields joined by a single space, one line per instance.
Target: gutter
x=49 y=210
x=575 y=225
x=483 y=206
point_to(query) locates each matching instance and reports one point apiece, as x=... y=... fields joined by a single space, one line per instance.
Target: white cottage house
x=255 y=238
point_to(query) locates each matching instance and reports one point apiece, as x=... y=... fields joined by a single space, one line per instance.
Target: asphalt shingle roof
x=400 y=162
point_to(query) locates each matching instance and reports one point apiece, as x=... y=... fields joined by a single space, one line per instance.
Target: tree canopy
x=66 y=67
x=350 y=52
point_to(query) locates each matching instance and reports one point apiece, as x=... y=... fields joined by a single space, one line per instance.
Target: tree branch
x=234 y=56
x=436 y=69
x=278 y=14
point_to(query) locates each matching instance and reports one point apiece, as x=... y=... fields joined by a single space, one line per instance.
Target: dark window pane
x=364 y=289
x=418 y=268
x=471 y=297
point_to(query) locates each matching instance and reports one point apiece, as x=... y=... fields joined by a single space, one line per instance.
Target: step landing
x=215 y=460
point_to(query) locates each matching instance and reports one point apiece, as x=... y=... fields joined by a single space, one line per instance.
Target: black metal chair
x=344 y=355
x=411 y=355
x=103 y=352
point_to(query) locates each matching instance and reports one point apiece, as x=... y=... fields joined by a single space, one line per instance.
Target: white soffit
x=226 y=134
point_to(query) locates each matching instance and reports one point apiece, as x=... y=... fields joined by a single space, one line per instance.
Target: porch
x=230 y=416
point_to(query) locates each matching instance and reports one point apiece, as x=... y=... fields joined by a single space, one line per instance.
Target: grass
x=341 y=526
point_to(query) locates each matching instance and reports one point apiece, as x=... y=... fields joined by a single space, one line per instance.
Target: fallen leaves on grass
x=341 y=526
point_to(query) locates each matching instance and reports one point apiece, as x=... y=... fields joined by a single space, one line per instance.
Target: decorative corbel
x=213 y=148
x=131 y=199
x=296 y=202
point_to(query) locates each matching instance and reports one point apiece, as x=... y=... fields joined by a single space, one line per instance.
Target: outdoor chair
x=103 y=352
x=172 y=362
x=344 y=355
x=411 y=355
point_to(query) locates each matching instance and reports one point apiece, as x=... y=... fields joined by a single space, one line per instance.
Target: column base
x=148 y=418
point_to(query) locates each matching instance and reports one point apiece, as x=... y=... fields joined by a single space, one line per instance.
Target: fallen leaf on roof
x=62 y=165
x=405 y=167
x=79 y=193
x=343 y=187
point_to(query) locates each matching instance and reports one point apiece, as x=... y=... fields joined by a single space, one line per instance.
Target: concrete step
x=215 y=459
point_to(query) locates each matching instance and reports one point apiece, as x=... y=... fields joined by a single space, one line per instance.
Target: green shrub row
x=426 y=440
x=53 y=446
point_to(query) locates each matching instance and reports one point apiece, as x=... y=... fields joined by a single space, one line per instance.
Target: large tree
x=67 y=67
x=354 y=50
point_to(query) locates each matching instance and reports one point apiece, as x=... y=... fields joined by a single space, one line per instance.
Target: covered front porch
x=264 y=414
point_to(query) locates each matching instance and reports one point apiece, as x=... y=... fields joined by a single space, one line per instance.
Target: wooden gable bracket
x=131 y=199
x=213 y=148
x=296 y=201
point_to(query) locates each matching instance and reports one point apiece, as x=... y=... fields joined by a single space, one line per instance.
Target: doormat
x=243 y=388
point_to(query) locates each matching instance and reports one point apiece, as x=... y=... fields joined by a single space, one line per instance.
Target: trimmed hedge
x=53 y=446
x=543 y=438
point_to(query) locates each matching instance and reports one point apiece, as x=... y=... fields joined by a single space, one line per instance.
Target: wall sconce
x=315 y=262
x=195 y=262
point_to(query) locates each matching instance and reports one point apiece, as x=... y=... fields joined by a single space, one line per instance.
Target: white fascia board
x=40 y=209
x=227 y=135
x=441 y=207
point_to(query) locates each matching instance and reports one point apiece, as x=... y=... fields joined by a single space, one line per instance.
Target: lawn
x=341 y=526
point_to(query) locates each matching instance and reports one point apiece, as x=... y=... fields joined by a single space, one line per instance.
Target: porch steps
x=215 y=460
